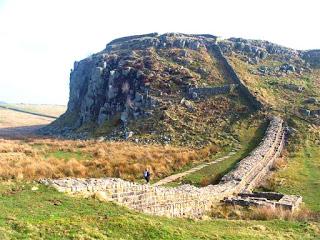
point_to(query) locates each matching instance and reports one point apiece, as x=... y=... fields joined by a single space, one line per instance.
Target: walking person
x=146 y=175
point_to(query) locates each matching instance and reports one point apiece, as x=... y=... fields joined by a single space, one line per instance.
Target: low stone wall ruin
x=271 y=200
x=211 y=91
x=185 y=200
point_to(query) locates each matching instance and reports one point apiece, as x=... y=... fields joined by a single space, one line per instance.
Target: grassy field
x=10 y=119
x=47 y=109
x=47 y=214
x=19 y=125
x=302 y=176
x=14 y=124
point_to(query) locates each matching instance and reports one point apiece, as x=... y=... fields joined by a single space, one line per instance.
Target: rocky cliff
x=141 y=85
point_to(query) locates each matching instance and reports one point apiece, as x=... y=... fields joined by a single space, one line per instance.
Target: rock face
x=256 y=49
x=117 y=84
x=116 y=81
x=136 y=76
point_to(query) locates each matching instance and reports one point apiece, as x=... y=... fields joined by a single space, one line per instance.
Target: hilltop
x=157 y=88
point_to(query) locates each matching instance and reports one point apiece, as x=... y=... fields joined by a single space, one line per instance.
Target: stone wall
x=307 y=112
x=185 y=200
x=242 y=86
x=315 y=112
x=211 y=91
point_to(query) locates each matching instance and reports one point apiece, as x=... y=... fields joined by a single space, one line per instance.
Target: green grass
x=78 y=155
x=47 y=214
x=302 y=175
x=249 y=137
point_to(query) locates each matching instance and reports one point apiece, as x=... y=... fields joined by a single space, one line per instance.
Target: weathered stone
x=304 y=112
x=293 y=87
x=266 y=199
x=311 y=100
x=128 y=134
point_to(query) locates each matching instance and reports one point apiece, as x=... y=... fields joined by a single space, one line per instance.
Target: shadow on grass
x=213 y=173
x=252 y=144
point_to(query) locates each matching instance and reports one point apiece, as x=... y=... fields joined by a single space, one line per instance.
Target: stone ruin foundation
x=271 y=200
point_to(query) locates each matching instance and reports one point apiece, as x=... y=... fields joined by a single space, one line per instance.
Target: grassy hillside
x=44 y=213
x=173 y=136
x=271 y=87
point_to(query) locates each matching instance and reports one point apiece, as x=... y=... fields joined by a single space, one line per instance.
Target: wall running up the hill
x=242 y=86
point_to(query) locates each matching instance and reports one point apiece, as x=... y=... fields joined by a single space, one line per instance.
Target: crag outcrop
x=135 y=77
x=136 y=84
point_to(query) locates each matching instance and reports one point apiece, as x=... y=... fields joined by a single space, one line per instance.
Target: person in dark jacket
x=146 y=175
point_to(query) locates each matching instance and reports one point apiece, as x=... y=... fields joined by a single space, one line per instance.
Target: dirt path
x=197 y=168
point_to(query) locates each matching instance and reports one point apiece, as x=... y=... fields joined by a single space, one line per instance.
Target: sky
x=41 y=39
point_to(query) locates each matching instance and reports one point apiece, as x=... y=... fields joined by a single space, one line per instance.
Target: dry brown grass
x=35 y=158
x=280 y=162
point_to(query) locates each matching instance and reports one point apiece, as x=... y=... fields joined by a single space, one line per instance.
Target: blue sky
x=40 y=39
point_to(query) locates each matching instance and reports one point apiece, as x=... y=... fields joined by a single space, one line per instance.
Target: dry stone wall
x=215 y=49
x=185 y=200
x=211 y=91
x=266 y=199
